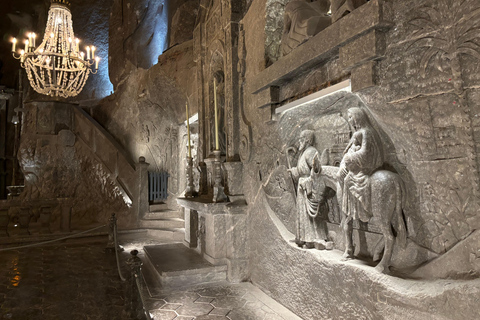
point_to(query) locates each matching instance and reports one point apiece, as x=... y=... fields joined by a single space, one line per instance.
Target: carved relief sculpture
x=365 y=191
x=311 y=205
x=303 y=20
x=341 y=8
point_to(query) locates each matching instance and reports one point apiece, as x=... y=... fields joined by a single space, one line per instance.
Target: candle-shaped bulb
x=93 y=52
x=216 y=116
x=82 y=55
x=14 y=43
x=22 y=55
x=97 y=60
x=188 y=132
x=33 y=37
x=77 y=41
x=70 y=47
x=26 y=45
x=88 y=53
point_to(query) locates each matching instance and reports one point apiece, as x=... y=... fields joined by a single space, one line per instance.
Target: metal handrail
x=51 y=241
x=113 y=228
x=135 y=265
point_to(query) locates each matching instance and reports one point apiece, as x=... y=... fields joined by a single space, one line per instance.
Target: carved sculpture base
x=190 y=190
x=218 y=189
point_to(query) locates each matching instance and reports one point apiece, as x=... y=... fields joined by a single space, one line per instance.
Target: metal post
x=135 y=286
x=111 y=229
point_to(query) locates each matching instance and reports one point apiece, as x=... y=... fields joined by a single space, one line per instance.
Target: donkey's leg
x=348 y=231
x=383 y=265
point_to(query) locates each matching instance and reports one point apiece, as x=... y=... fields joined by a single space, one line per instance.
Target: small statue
x=311 y=205
x=303 y=20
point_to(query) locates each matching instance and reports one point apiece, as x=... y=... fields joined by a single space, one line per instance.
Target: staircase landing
x=174 y=266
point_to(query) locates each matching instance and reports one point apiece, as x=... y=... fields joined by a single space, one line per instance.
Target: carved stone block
x=233 y=172
x=367 y=47
x=363 y=77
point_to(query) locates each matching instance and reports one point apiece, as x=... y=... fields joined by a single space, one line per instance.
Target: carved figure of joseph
x=308 y=197
x=362 y=156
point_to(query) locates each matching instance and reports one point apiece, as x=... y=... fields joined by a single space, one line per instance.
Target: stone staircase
x=163 y=223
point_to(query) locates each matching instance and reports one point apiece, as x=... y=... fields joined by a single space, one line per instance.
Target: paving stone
x=228 y=302
x=204 y=300
x=155 y=304
x=211 y=317
x=220 y=312
x=182 y=297
x=221 y=291
x=246 y=314
x=171 y=306
x=195 y=309
x=163 y=314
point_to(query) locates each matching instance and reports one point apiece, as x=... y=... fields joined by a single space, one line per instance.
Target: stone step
x=174 y=266
x=163 y=214
x=175 y=234
x=163 y=223
x=158 y=207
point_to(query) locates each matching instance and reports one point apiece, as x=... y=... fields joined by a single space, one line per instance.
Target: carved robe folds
x=362 y=157
x=303 y=20
x=311 y=206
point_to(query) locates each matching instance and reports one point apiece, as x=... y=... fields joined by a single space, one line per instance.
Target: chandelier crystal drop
x=57 y=67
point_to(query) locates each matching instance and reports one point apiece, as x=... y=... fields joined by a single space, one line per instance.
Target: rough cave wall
x=427 y=108
x=137 y=36
x=147 y=111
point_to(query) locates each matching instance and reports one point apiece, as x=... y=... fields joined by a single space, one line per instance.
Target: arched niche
x=216 y=80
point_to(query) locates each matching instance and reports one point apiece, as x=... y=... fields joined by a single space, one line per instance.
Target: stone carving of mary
x=362 y=156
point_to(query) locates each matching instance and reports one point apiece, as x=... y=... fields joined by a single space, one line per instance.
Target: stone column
x=236 y=242
x=191 y=227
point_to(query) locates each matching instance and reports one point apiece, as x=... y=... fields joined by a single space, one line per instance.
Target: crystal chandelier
x=57 y=67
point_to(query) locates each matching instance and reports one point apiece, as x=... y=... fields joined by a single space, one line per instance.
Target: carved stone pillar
x=142 y=198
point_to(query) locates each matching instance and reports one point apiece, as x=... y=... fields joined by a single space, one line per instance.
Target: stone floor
x=74 y=280
x=78 y=280
x=219 y=302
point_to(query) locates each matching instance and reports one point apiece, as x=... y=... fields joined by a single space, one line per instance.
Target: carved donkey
x=388 y=201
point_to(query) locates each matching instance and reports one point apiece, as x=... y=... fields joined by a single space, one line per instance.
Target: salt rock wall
x=146 y=111
x=317 y=285
x=58 y=167
x=137 y=36
x=423 y=101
